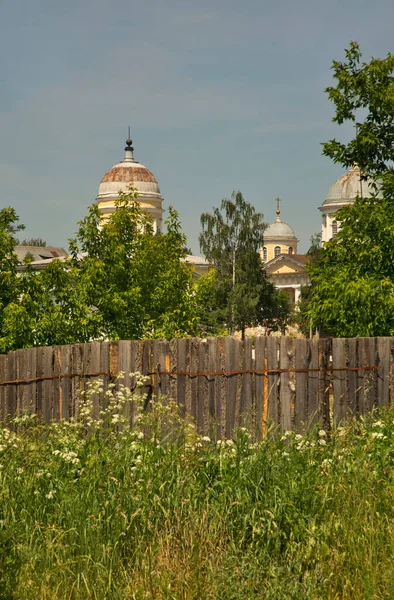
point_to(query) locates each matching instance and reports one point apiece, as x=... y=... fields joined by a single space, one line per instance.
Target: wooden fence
x=223 y=383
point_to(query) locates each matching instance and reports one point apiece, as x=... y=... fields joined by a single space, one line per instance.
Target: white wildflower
x=322 y=433
x=322 y=442
x=50 y=494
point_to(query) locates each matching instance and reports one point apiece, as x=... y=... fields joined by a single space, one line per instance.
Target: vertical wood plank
x=383 y=374
x=155 y=367
x=147 y=368
x=232 y=362
x=95 y=367
x=301 y=360
x=32 y=369
x=213 y=388
x=340 y=388
x=313 y=383
x=56 y=383
x=194 y=388
x=324 y=351
x=353 y=380
x=173 y=379
x=286 y=363
x=183 y=349
x=47 y=384
x=164 y=366
x=40 y=385
x=11 y=376
x=367 y=356
x=247 y=404
x=203 y=403
x=24 y=373
x=273 y=400
x=221 y=389
x=261 y=387
x=65 y=401
x=3 y=388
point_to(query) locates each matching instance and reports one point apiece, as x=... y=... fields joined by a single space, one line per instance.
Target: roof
x=300 y=260
x=347 y=187
x=39 y=253
x=279 y=230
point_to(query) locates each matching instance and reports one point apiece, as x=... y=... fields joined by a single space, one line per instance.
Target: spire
x=277 y=210
x=129 y=156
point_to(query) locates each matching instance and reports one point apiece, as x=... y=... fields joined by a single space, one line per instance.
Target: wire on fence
x=193 y=373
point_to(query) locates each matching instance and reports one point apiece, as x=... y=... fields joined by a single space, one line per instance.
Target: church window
x=265 y=253
x=290 y=250
x=334 y=228
x=277 y=250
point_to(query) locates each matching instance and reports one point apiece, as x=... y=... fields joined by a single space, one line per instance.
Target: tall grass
x=95 y=509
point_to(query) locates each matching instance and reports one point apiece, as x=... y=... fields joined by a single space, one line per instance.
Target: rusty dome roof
x=347 y=187
x=127 y=173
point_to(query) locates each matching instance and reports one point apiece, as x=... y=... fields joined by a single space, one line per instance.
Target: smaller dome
x=279 y=230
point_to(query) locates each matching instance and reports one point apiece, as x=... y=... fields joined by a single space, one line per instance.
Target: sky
x=221 y=95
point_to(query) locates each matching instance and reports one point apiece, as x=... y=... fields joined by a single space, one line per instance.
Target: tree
x=9 y=284
x=33 y=242
x=136 y=279
x=231 y=239
x=353 y=280
x=122 y=281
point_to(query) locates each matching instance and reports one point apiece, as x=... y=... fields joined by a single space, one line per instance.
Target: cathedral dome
x=128 y=173
x=279 y=230
x=347 y=187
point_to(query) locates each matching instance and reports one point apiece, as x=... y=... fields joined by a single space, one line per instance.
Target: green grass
x=157 y=512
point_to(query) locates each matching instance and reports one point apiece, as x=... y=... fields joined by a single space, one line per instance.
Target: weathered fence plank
x=273 y=400
x=383 y=349
x=47 y=391
x=261 y=388
x=324 y=353
x=353 y=378
x=247 y=400
x=301 y=351
x=183 y=350
x=231 y=346
x=340 y=389
x=286 y=364
x=3 y=388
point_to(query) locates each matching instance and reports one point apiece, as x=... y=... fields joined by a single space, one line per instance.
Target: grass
x=156 y=512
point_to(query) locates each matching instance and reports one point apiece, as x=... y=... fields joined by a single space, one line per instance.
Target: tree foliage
x=352 y=290
x=231 y=239
x=33 y=242
x=122 y=281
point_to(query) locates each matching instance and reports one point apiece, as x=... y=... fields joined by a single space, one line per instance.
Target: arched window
x=290 y=250
x=265 y=254
x=277 y=251
x=334 y=228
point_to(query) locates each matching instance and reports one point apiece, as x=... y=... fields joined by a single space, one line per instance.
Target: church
x=284 y=266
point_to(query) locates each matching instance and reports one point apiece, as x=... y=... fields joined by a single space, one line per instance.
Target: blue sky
x=220 y=96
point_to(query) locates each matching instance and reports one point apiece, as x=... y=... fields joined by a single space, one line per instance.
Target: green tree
x=231 y=239
x=9 y=282
x=33 y=242
x=122 y=281
x=353 y=281
x=136 y=279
